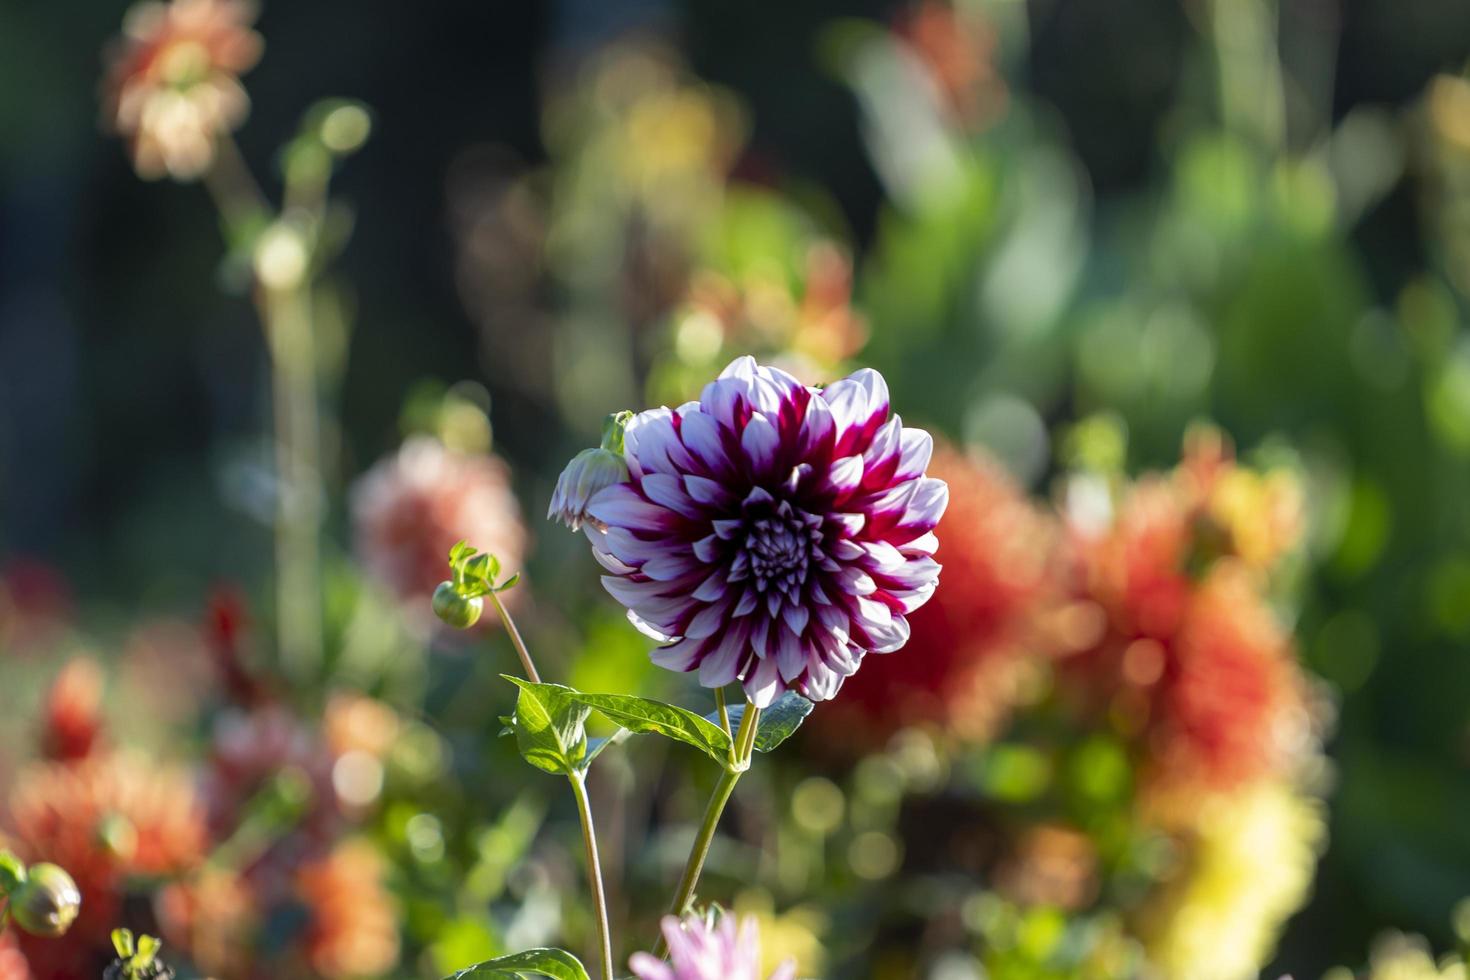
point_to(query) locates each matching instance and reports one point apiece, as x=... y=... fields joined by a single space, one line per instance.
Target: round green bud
x=47 y=902
x=455 y=609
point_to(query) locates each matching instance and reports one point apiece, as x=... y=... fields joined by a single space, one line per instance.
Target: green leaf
x=649 y=717
x=549 y=726
x=459 y=552
x=596 y=745
x=777 y=723
x=555 y=963
x=508 y=583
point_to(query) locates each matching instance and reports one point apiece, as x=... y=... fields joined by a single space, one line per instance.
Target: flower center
x=779 y=546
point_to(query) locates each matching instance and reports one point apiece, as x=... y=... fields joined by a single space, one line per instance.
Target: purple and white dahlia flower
x=701 y=951
x=772 y=533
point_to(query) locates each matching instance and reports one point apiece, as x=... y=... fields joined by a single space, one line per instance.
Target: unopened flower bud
x=47 y=902
x=589 y=472
x=458 y=611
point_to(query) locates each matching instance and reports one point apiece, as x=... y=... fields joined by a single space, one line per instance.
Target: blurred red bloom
x=969 y=644
x=71 y=721
x=212 y=917
x=1192 y=659
x=1231 y=700
x=172 y=86
x=412 y=506
x=353 y=930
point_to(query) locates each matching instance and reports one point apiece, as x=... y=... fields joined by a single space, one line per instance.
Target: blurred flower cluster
x=243 y=858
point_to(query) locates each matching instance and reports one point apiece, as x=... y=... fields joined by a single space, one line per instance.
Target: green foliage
x=555 y=963
x=650 y=717
x=549 y=727
x=777 y=723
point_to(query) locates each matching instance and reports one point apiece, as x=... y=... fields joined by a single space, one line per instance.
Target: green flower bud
x=456 y=610
x=47 y=902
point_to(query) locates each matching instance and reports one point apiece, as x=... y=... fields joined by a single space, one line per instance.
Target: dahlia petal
x=706 y=491
x=667 y=568
x=835 y=621
x=843 y=476
x=748 y=600
x=727 y=529
x=651 y=444
x=633 y=550
x=818 y=429
x=712 y=588
x=925 y=544
x=707 y=548
x=667 y=491
x=849 y=524
x=876 y=389
x=721 y=665
x=763 y=684
x=649 y=630
x=847 y=550
x=758 y=495
x=724 y=397
x=620 y=506
x=707 y=621
x=912 y=574
x=743 y=367
x=856 y=582
x=911 y=599
x=848 y=400
x=918 y=448
x=821 y=682
x=790 y=655
x=611 y=563
x=795 y=616
x=701 y=436
x=882 y=556
x=760 y=442
x=927 y=505
x=681 y=655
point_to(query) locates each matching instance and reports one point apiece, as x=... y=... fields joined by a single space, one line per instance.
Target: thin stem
x=594 y=873
x=515 y=639
x=724 y=713
x=234 y=190
x=744 y=744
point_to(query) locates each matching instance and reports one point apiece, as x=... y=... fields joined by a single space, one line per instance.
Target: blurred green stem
x=285 y=312
x=299 y=494
x=743 y=749
x=594 y=873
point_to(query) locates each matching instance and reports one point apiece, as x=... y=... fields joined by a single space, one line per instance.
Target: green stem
x=724 y=712
x=743 y=749
x=594 y=874
x=298 y=520
x=515 y=639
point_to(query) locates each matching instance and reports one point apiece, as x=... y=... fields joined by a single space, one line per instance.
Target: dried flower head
x=173 y=87
x=772 y=533
x=411 y=508
x=700 y=950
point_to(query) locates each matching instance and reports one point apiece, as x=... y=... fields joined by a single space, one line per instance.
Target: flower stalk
x=594 y=873
x=741 y=752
